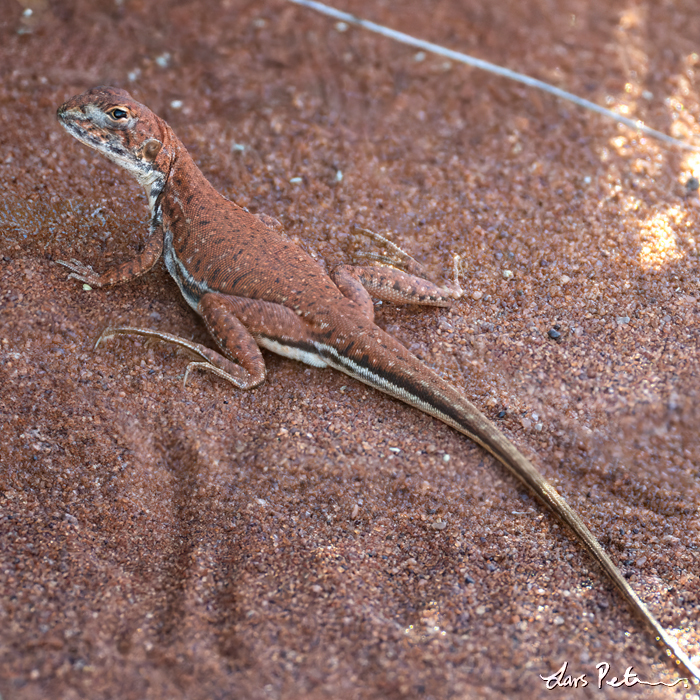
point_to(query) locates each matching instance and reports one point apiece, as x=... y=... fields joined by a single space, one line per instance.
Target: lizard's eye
x=118 y=113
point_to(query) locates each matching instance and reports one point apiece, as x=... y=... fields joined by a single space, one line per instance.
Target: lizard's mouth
x=109 y=144
x=81 y=128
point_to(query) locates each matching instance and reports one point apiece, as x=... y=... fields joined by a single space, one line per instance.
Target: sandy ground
x=166 y=542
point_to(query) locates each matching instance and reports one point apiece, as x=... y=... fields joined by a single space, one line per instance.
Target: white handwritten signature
x=562 y=679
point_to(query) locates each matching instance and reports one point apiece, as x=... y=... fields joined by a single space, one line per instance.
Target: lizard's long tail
x=408 y=380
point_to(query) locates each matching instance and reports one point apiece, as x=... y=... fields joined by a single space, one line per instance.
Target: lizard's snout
x=68 y=110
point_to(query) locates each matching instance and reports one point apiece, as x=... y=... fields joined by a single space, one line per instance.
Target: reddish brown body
x=253 y=287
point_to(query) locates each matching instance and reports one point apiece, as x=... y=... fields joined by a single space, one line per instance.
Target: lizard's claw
x=106 y=333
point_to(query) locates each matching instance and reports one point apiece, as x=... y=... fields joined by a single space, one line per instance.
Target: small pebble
x=477 y=295
x=692 y=184
x=554 y=334
x=507 y=274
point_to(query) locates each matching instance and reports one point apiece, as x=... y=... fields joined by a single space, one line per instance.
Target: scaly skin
x=253 y=287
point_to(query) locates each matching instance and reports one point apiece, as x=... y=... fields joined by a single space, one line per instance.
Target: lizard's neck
x=173 y=175
x=185 y=190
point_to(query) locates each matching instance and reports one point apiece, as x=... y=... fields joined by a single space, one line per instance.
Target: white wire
x=492 y=68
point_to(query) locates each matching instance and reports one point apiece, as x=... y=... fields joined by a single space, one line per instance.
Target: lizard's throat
x=152 y=182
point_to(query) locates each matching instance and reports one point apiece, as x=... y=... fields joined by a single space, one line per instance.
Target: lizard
x=254 y=288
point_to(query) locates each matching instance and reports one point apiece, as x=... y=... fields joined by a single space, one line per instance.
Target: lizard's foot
x=209 y=368
x=168 y=338
x=81 y=272
x=210 y=360
x=151 y=334
x=404 y=261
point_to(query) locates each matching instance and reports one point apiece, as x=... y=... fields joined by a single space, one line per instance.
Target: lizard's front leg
x=136 y=267
x=239 y=325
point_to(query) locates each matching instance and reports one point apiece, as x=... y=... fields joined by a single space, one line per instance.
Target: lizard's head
x=121 y=129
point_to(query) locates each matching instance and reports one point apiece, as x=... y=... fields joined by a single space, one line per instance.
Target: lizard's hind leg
x=402 y=260
x=239 y=326
x=247 y=375
x=400 y=279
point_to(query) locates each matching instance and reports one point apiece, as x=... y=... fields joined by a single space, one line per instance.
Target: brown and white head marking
x=124 y=131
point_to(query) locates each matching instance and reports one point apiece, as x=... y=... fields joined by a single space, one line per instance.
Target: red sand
x=163 y=542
